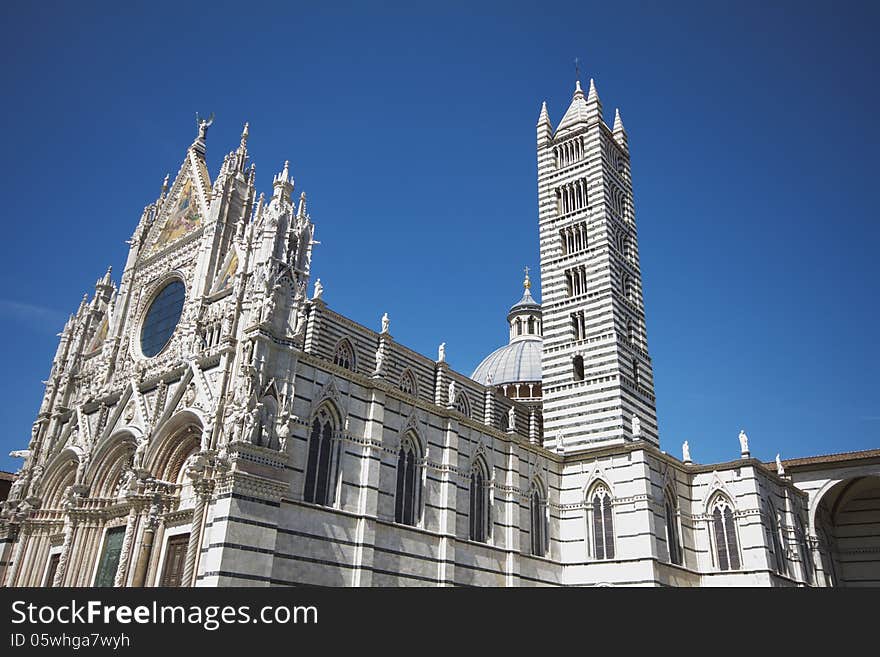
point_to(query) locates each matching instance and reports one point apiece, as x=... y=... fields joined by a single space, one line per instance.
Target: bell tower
x=598 y=385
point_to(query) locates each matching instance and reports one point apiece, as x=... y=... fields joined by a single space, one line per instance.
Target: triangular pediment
x=184 y=210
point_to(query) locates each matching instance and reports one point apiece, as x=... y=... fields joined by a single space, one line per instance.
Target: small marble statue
x=636 y=426
x=511 y=419
x=319 y=289
x=779 y=469
x=379 y=359
x=385 y=323
x=685 y=452
x=451 y=392
x=743 y=442
x=441 y=353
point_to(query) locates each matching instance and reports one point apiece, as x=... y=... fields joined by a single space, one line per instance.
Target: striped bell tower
x=598 y=385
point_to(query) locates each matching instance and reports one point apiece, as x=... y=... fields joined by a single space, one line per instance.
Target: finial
x=618 y=122
x=592 y=94
x=527 y=283
x=165 y=184
x=245 y=133
x=544 y=116
x=577 y=72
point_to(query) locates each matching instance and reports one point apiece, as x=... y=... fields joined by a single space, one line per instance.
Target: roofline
x=807 y=462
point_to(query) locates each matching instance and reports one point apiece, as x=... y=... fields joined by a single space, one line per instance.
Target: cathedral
x=209 y=420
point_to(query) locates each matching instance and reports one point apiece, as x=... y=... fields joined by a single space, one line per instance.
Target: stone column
x=69 y=530
x=143 y=560
x=512 y=517
x=368 y=496
x=23 y=537
x=119 y=579
x=448 y=491
x=202 y=488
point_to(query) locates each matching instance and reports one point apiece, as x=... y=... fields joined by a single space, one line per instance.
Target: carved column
x=143 y=560
x=202 y=488
x=119 y=579
x=69 y=530
x=23 y=536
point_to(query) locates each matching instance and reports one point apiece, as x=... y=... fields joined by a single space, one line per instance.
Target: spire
x=544 y=116
x=527 y=284
x=578 y=109
x=282 y=183
x=241 y=156
x=619 y=132
x=301 y=212
x=618 y=122
x=593 y=94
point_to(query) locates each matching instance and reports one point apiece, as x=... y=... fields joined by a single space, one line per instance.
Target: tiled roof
x=830 y=458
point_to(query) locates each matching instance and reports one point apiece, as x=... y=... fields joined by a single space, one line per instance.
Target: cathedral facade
x=211 y=421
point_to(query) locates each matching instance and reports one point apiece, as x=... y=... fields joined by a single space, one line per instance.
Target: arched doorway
x=847 y=522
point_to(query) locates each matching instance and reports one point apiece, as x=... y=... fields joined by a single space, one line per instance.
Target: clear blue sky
x=754 y=146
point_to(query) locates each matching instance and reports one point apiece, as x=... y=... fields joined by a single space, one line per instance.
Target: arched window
x=479 y=503
x=724 y=535
x=344 y=356
x=804 y=547
x=578 y=363
x=320 y=482
x=601 y=522
x=462 y=405
x=407 y=499
x=673 y=537
x=408 y=383
x=539 y=524
x=776 y=538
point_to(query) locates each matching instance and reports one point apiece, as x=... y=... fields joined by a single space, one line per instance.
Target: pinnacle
x=592 y=95
x=544 y=116
x=618 y=122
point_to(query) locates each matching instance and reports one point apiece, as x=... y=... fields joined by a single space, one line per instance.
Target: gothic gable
x=185 y=208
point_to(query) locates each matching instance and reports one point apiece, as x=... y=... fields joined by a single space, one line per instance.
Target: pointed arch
x=673 y=527
x=723 y=532
x=323 y=458
x=408 y=492
x=461 y=404
x=479 y=513
x=600 y=520
x=777 y=540
x=538 y=516
x=408 y=383
x=344 y=355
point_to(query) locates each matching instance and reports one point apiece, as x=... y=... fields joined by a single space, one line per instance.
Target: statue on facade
x=451 y=392
x=743 y=443
x=251 y=422
x=441 y=353
x=685 y=452
x=511 y=419
x=379 y=358
x=138 y=459
x=779 y=469
x=636 y=426
x=319 y=289
x=385 y=323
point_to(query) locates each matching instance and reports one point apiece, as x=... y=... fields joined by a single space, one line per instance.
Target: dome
x=519 y=361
